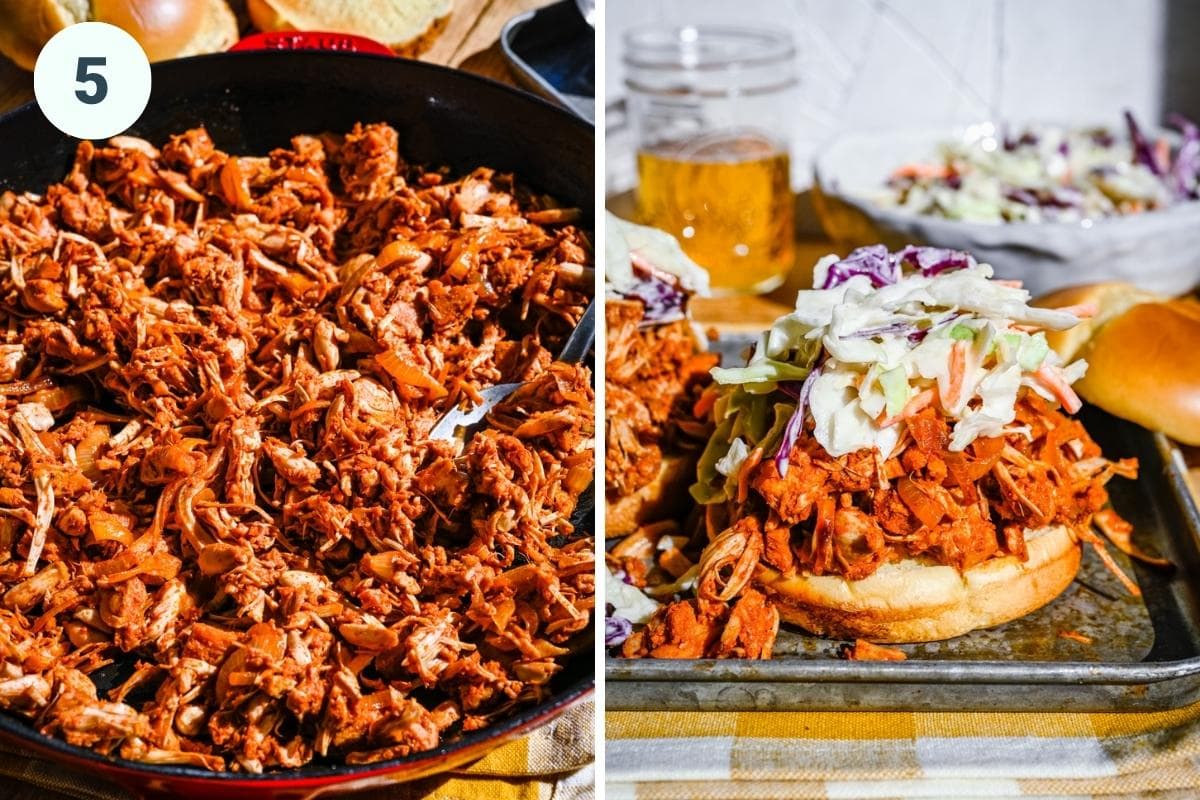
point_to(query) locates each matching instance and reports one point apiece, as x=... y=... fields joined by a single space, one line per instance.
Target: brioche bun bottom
x=912 y=601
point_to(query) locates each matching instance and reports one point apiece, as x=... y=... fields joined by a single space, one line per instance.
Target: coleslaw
x=885 y=336
x=1051 y=174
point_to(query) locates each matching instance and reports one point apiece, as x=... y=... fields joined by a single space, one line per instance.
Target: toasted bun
x=1140 y=348
x=663 y=497
x=407 y=26
x=26 y=25
x=911 y=601
x=164 y=28
x=1143 y=366
x=218 y=31
x=1111 y=300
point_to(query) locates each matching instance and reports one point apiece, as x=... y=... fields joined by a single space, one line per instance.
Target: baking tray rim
x=931 y=672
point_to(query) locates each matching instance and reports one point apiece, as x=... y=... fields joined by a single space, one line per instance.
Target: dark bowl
x=250 y=103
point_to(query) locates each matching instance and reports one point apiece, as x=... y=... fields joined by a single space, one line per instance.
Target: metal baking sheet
x=1145 y=652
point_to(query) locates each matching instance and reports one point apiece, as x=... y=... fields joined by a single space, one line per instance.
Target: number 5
x=99 y=85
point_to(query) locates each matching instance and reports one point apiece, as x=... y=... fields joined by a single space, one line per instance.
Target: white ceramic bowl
x=1159 y=250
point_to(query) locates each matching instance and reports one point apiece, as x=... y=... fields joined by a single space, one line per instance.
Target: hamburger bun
x=914 y=601
x=664 y=497
x=26 y=26
x=164 y=28
x=409 y=27
x=1141 y=354
x=1110 y=299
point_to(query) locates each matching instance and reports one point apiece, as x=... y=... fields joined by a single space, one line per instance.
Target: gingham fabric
x=552 y=763
x=730 y=756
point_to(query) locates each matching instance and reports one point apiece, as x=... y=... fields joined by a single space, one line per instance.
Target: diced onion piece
x=86 y=450
x=106 y=527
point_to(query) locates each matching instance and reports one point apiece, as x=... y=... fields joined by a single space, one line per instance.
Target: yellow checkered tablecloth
x=552 y=763
x=730 y=756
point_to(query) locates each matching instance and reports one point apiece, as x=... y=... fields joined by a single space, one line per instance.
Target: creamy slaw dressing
x=1050 y=174
x=883 y=346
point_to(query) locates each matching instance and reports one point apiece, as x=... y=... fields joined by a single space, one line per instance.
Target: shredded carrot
x=705 y=402
x=1012 y=284
x=918 y=170
x=1075 y=636
x=748 y=465
x=1052 y=378
x=862 y=650
x=699 y=364
x=919 y=402
x=958 y=370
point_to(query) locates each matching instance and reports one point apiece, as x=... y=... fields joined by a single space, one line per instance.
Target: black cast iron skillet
x=255 y=101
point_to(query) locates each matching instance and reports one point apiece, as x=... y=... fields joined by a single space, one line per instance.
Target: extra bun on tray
x=407 y=26
x=164 y=28
x=1141 y=350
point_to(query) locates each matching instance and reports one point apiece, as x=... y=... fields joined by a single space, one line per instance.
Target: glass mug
x=710 y=111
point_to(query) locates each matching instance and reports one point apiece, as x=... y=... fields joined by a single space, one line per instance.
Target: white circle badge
x=92 y=80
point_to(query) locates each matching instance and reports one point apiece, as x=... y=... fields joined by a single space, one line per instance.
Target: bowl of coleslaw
x=1049 y=206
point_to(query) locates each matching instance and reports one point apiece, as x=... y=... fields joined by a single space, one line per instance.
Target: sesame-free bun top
x=164 y=28
x=1142 y=354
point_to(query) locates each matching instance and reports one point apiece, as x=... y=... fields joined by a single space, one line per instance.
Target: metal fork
x=575 y=350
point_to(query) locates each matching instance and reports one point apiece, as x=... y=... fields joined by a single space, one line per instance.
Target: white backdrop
x=874 y=63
